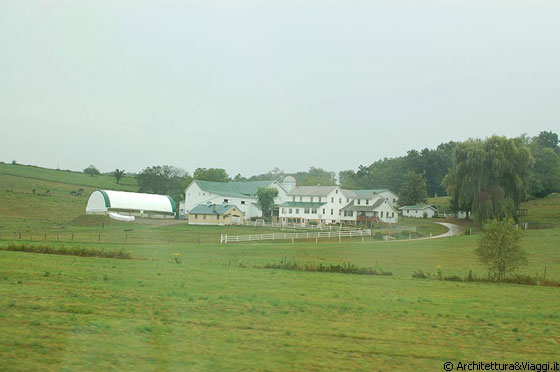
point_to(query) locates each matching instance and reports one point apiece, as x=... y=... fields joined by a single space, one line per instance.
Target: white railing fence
x=225 y=238
x=295 y=226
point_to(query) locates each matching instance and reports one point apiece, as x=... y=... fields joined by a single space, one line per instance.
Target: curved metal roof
x=131 y=201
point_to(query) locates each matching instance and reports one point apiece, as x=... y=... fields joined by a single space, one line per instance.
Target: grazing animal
x=33 y=191
x=73 y=192
x=48 y=192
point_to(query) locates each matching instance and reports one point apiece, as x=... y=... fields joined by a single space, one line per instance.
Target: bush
x=342 y=268
x=68 y=251
x=419 y=275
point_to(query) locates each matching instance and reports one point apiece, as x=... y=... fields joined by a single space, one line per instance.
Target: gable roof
x=352 y=206
x=209 y=209
x=312 y=190
x=242 y=189
x=417 y=207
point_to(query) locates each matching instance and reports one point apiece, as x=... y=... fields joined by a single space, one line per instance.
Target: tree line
x=487 y=178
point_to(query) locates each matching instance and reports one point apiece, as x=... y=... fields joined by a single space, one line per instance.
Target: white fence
x=301 y=226
x=225 y=238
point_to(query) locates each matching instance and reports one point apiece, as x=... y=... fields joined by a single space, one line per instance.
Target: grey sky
x=250 y=85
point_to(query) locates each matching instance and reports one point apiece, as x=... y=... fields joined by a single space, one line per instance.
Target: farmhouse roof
x=311 y=190
x=241 y=189
x=301 y=204
x=209 y=209
x=352 y=206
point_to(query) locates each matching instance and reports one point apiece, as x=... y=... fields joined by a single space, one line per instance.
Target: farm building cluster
x=294 y=204
x=227 y=203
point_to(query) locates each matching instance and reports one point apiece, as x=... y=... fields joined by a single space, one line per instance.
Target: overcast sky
x=252 y=85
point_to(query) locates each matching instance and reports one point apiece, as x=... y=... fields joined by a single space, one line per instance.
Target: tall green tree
x=265 y=199
x=211 y=174
x=164 y=180
x=413 y=190
x=499 y=250
x=92 y=171
x=490 y=177
x=118 y=173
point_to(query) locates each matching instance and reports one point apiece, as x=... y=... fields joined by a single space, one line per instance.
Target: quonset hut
x=121 y=203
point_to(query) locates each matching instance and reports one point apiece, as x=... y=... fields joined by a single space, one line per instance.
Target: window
x=300 y=198
x=339 y=200
x=293 y=198
x=218 y=217
x=242 y=201
x=392 y=214
x=306 y=211
x=381 y=214
x=332 y=212
x=290 y=210
x=332 y=200
x=283 y=210
x=394 y=201
x=203 y=216
x=347 y=200
x=336 y=192
x=358 y=201
x=225 y=201
x=196 y=216
x=314 y=210
x=323 y=210
x=297 y=210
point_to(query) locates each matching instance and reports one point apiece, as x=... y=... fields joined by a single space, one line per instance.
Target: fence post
x=292 y=240
x=362 y=238
x=221 y=238
x=339 y=237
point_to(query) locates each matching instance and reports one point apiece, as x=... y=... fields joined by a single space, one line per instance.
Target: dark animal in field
x=48 y=192
x=33 y=191
x=80 y=190
x=73 y=192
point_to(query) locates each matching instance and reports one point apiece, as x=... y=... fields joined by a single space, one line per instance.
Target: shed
x=215 y=214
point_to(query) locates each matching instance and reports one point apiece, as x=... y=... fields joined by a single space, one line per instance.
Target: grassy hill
x=20 y=205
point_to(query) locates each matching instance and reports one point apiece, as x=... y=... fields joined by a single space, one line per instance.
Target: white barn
x=131 y=204
x=243 y=195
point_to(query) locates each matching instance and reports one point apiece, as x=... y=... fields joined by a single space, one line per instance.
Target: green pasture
x=219 y=309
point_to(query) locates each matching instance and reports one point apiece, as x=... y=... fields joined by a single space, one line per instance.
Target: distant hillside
x=545 y=210
x=68 y=177
x=52 y=202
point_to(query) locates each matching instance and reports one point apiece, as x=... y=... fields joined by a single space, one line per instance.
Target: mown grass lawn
x=219 y=309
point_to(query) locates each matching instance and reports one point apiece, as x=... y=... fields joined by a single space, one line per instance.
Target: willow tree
x=489 y=178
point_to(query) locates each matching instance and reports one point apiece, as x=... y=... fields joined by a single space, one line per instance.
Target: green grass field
x=219 y=309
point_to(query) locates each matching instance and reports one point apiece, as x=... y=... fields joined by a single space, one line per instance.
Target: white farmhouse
x=243 y=195
x=332 y=204
x=419 y=211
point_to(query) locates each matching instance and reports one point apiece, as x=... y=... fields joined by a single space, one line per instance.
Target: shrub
x=68 y=251
x=453 y=278
x=342 y=268
x=177 y=258
x=419 y=275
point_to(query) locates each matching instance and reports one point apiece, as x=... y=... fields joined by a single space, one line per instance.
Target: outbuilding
x=419 y=211
x=215 y=214
x=131 y=204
